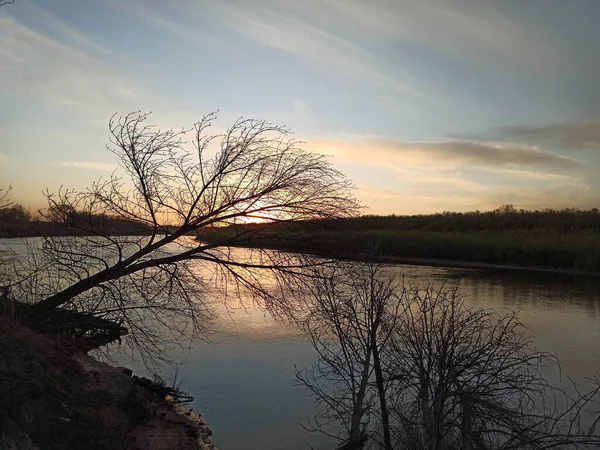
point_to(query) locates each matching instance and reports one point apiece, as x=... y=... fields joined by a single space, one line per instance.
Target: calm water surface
x=244 y=383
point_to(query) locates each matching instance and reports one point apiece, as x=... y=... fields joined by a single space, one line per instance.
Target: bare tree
x=446 y=376
x=136 y=258
x=471 y=379
x=350 y=319
x=6 y=2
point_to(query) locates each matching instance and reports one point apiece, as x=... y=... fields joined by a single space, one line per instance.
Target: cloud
x=183 y=27
x=295 y=31
x=74 y=74
x=91 y=165
x=458 y=175
x=571 y=136
x=469 y=31
x=458 y=153
x=492 y=154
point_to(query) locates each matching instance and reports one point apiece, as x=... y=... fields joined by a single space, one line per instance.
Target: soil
x=53 y=396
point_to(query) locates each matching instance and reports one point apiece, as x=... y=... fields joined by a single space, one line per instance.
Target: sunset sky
x=426 y=105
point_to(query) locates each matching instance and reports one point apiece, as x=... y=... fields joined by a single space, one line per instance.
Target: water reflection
x=244 y=384
x=250 y=395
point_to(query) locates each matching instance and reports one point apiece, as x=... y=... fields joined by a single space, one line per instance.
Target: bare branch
x=5 y=201
x=136 y=258
x=445 y=376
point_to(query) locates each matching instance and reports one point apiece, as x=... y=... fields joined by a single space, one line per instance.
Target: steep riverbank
x=55 y=397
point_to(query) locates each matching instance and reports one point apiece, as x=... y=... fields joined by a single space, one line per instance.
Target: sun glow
x=258 y=212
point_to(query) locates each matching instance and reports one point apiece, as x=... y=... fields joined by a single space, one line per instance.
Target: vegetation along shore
x=566 y=240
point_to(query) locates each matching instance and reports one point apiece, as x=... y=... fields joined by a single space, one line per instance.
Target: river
x=243 y=381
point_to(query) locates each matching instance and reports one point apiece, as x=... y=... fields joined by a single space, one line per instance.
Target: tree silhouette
x=254 y=171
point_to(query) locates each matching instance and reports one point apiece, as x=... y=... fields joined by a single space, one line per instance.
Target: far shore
x=481 y=265
x=438 y=262
x=409 y=260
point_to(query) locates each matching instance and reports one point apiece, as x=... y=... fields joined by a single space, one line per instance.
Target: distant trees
x=136 y=260
x=506 y=217
x=423 y=371
x=562 y=239
x=14 y=218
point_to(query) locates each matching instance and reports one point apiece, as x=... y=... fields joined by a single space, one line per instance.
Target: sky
x=427 y=106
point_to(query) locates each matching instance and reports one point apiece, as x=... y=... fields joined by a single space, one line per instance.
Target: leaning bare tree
x=136 y=257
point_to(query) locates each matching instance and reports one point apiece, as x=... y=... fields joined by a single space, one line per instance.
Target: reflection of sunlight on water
x=237 y=312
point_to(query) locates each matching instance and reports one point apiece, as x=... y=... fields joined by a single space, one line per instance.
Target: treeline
x=560 y=239
x=16 y=221
x=506 y=217
x=563 y=239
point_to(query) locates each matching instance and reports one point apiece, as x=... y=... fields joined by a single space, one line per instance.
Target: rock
x=126 y=370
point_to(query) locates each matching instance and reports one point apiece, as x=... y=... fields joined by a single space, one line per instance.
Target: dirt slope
x=53 y=397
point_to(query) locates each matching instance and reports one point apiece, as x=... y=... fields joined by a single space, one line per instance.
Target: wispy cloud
x=417 y=177
x=176 y=20
x=568 y=136
x=281 y=29
x=456 y=152
x=39 y=65
x=474 y=31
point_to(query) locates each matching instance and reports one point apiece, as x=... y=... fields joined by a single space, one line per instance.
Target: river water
x=243 y=381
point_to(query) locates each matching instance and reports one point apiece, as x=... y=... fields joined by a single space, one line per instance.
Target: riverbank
x=53 y=396
x=576 y=252
x=432 y=262
x=480 y=265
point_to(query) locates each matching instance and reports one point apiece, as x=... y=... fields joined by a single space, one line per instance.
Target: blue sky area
x=427 y=105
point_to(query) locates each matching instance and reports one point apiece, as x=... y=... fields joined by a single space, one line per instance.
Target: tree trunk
x=119 y=269
x=426 y=409
x=466 y=428
x=60 y=298
x=385 y=419
x=358 y=411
